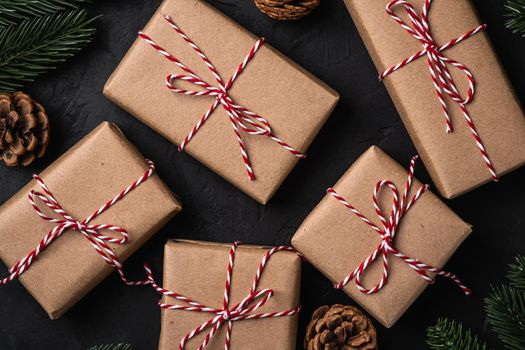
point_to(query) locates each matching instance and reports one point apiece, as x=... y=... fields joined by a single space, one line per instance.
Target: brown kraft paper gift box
x=336 y=241
x=198 y=271
x=95 y=170
x=295 y=103
x=453 y=160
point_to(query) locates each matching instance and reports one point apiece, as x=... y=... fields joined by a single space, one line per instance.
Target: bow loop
x=263 y=296
x=195 y=80
x=94 y=231
x=389 y=223
x=448 y=83
x=418 y=24
x=50 y=202
x=383 y=251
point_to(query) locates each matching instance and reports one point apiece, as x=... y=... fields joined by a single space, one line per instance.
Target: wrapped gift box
x=453 y=160
x=295 y=103
x=336 y=241
x=198 y=270
x=92 y=172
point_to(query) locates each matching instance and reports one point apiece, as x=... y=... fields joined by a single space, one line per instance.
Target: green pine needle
x=516 y=273
x=450 y=335
x=35 y=46
x=112 y=347
x=516 y=16
x=14 y=11
x=505 y=307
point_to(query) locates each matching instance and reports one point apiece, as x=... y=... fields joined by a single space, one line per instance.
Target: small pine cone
x=24 y=129
x=340 y=328
x=286 y=9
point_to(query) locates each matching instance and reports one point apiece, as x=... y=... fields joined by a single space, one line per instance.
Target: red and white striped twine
x=387 y=233
x=226 y=315
x=439 y=71
x=67 y=222
x=240 y=117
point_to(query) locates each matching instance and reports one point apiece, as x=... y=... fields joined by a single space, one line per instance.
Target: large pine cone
x=286 y=9
x=24 y=129
x=340 y=328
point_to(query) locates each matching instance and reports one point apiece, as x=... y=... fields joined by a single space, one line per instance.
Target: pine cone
x=340 y=328
x=24 y=129
x=286 y=9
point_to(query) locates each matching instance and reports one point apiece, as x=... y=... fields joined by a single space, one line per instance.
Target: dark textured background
x=328 y=45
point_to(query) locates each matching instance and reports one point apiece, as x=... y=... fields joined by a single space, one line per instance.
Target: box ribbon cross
x=400 y=207
x=240 y=312
x=241 y=118
x=90 y=231
x=439 y=71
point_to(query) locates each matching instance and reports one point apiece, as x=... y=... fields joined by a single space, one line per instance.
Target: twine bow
x=241 y=118
x=438 y=65
x=65 y=221
x=226 y=315
x=400 y=206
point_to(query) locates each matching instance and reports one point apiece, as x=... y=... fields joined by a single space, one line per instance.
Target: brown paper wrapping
x=453 y=160
x=198 y=271
x=96 y=169
x=336 y=241
x=295 y=103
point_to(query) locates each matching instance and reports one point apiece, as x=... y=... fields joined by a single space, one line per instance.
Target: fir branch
x=15 y=11
x=516 y=273
x=505 y=307
x=516 y=16
x=35 y=46
x=450 y=335
x=112 y=347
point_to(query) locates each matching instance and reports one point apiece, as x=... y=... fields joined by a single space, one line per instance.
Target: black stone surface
x=328 y=45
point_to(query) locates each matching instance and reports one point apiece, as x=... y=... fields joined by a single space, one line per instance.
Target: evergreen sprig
x=505 y=307
x=35 y=46
x=112 y=347
x=15 y=11
x=516 y=273
x=516 y=16
x=450 y=335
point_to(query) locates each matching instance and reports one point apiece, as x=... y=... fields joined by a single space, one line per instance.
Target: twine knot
x=387 y=240
x=224 y=98
x=225 y=314
x=431 y=47
x=78 y=226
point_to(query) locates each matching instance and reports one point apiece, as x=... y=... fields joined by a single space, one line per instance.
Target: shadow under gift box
x=197 y=270
x=294 y=102
x=453 y=160
x=336 y=241
x=92 y=172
